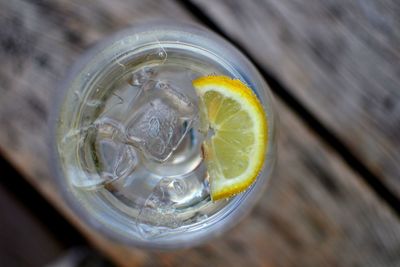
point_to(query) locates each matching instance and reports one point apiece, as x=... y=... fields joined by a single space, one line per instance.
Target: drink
x=129 y=137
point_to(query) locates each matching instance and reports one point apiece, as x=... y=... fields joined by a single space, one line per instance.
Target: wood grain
x=38 y=250
x=340 y=58
x=316 y=212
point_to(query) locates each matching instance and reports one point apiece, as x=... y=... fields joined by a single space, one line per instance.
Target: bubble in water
x=161 y=118
x=163 y=55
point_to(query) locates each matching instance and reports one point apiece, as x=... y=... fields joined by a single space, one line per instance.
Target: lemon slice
x=235 y=152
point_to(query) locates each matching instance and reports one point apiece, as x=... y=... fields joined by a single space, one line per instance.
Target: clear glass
x=127 y=145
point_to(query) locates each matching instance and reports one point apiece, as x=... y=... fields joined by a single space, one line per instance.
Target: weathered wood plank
x=316 y=212
x=340 y=58
x=15 y=248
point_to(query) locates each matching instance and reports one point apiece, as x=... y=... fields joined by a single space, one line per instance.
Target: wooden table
x=334 y=67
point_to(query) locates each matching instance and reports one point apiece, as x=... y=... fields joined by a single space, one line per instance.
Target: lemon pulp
x=235 y=152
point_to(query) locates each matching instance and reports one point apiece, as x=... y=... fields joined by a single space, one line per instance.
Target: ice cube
x=161 y=117
x=104 y=155
x=158 y=214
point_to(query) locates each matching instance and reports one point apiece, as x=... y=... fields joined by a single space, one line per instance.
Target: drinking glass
x=126 y=146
